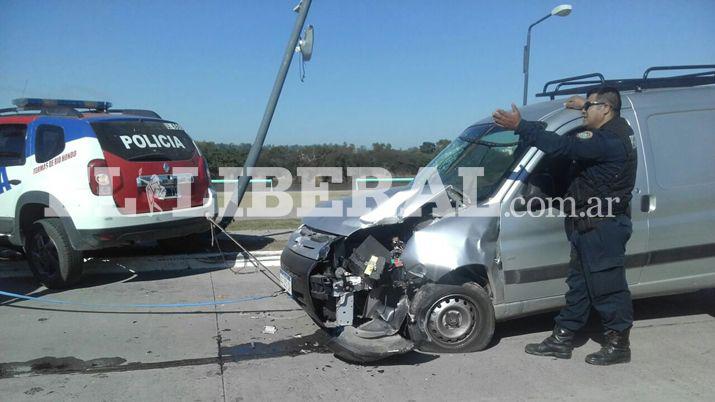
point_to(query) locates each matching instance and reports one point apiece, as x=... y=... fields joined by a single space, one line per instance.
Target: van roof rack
x=581 y=84
x=66 y=107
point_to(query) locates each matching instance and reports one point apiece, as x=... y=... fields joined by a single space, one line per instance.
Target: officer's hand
x=575 y=102
x=506 y=119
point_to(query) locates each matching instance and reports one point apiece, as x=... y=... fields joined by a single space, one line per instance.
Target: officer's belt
x=586 y=224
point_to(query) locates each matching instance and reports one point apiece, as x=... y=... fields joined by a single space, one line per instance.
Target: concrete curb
x=156 y=263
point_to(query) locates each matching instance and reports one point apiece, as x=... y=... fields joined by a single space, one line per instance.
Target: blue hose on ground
x=255 y=261
x=173 y=305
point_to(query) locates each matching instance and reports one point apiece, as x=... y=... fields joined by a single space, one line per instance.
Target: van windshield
x=486 y=145
x=144 y=140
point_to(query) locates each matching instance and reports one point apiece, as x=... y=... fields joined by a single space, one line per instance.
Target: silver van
x=417 y=273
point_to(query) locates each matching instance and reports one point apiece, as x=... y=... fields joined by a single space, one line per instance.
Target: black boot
x=559 y=344
x=616 y=349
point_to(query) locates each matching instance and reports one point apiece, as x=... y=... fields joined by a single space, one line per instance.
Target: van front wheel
x=452 y=319
x=50 y=255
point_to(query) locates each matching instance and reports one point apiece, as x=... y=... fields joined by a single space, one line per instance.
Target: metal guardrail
x=382 y=179
x=357 y=181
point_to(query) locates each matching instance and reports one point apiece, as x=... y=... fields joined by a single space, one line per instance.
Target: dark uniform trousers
x=606 y=165
x=597 y=277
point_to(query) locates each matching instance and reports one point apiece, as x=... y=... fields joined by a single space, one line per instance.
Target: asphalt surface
x=226 y=353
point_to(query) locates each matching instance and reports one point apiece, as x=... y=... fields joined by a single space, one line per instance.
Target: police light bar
x=36 y=103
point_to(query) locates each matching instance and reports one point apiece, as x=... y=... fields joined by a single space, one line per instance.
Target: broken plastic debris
x=269 y=329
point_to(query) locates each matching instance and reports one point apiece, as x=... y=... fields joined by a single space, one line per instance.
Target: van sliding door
x=680 y=153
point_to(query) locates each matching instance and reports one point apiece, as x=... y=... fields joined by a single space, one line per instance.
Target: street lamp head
x=562 y=10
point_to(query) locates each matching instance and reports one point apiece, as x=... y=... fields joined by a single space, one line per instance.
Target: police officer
x=602 y=178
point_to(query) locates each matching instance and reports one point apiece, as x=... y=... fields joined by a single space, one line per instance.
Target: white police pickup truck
x=78 y=175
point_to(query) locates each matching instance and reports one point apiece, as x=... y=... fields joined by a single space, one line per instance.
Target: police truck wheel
x=452 y=319
x=50 y=255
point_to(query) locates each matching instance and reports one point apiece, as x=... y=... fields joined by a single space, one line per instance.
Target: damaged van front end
x=415 y=271
x=387 y=289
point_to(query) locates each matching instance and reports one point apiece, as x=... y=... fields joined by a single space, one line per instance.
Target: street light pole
x=527 y=49
x=561 y=11
x=255 y=151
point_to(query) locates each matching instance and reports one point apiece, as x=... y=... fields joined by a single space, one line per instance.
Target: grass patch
x=296 y=197
x=263 y=224
x=289 y=222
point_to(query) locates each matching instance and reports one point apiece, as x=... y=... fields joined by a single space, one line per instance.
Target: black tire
x=452 y=318
x=50 y=255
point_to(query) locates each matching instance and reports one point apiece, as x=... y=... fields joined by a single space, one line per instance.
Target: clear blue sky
x=401 y=72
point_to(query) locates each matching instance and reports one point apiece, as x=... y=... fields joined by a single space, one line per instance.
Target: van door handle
x=15 y=182
x=648 y=203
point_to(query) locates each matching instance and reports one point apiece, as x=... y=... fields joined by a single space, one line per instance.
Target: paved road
x=222 y=353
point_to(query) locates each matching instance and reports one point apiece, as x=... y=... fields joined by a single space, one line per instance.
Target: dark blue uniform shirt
x=605 y=158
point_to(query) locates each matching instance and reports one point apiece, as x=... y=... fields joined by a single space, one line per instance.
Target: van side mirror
x=539 y=185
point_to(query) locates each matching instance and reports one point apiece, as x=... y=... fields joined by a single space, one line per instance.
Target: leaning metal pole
x=526 y=65
x=257 y=146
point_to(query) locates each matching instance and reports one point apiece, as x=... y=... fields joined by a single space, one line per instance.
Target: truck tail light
x=210 y=185
x=206 y=169
x=101 y=179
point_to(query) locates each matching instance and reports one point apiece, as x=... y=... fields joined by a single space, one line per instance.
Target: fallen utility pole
x=257 y=146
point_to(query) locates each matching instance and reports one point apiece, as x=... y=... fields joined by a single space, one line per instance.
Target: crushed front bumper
x=299 y=268
x=350 y=346
x=313 y=292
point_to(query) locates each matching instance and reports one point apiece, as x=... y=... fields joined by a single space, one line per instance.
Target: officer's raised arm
x=585 y=146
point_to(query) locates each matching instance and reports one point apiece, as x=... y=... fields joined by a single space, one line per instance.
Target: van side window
x=689 y=133
x=560 y=169
x=49 y=142
x=12 y=144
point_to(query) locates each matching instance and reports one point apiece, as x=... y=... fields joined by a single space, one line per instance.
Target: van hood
x=405 y=201
x=401 y=202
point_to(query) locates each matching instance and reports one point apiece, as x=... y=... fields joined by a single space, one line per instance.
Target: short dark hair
x=609 y=95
